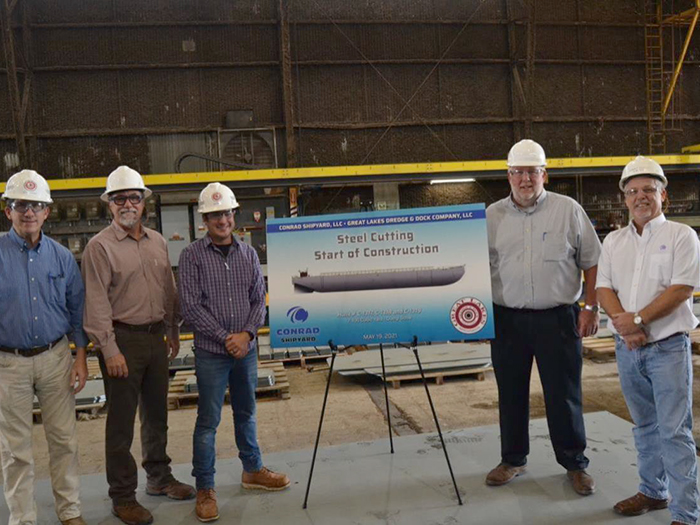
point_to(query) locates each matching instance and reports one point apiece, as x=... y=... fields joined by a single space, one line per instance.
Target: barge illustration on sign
x=377 y=279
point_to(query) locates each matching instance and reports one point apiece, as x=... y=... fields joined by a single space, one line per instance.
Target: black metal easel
x=414 y=347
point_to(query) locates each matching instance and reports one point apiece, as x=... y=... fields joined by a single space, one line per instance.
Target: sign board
x=380 y=277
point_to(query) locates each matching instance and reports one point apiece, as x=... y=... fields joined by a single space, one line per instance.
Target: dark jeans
x=146 y=387
x=216 y=372
x=551 y=338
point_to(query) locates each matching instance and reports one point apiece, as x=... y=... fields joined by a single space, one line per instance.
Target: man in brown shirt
x=131 y=308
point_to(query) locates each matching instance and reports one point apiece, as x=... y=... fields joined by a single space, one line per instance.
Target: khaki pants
x=47 y=375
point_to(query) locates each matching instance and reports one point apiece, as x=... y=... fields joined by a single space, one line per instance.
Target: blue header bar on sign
x=393 y=220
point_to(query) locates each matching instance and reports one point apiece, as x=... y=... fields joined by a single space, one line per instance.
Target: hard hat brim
x=527 y=164
x=9 y=197
x=146 y=193
x=212 y=209
x=656 y=176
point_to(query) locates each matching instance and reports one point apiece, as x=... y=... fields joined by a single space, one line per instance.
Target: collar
x=121 y=233
x=650 y=226
x=19 y=241
x=538 y=202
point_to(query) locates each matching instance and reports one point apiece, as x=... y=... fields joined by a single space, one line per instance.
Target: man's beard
x=128 y=219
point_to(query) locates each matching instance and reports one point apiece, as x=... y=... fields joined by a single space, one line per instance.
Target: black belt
x=670 y=336
x=153 y=328
x=31 y=352
x=535 y=310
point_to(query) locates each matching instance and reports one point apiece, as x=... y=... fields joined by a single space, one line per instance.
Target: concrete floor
x=362 y=483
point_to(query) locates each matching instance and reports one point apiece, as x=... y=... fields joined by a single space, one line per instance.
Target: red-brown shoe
x=74 y=521
x=639 y=504
x=132 y=513
x=581 y=481
x=207 y=509
x=264 y=479
x=502 y=474
x=174 y=490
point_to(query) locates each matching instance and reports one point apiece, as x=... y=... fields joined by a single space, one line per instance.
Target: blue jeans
x=214 y=373
x=657 y=382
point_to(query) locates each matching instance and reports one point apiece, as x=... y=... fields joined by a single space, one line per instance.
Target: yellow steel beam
x=695 y=148
x=681 y=59
x=333 y=172
x=685 y=16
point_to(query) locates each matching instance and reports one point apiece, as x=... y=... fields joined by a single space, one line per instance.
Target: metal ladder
x=654 y=58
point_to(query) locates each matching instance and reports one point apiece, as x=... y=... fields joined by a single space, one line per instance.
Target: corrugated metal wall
x=111 y=76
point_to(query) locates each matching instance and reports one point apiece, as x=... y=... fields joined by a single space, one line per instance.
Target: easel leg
x=320 y=424
x=437 y=423
x=386 y=398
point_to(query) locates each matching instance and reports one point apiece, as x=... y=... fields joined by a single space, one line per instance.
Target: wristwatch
x=638 y=319
x=591 y=308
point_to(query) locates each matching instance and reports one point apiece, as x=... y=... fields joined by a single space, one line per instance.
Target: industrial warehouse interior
x=384 y=119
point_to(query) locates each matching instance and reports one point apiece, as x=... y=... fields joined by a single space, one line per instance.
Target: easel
x=413 y=346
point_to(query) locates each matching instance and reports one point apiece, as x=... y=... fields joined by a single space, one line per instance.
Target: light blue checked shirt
x=42 y=293
x=221 y=294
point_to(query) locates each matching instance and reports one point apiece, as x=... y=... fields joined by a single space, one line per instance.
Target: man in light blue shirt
x=41 y=285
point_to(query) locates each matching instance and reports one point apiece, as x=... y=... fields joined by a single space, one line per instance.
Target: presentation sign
x=380 y=277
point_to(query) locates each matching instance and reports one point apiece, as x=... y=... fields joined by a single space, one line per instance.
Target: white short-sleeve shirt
x=640 y=268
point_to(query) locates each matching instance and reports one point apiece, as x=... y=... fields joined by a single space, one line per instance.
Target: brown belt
x=31 y=352
x=153 y=328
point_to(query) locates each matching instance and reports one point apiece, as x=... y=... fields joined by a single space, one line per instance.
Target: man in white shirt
x=646 y=276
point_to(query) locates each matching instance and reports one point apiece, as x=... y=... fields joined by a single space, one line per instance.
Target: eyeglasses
x=216 y=215
x=534 y=173
x=23 y=206
x=120 y=200
x=648 y=190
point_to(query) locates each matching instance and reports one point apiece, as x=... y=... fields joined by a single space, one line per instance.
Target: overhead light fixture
x=448 y=181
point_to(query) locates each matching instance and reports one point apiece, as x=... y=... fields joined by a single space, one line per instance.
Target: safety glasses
x=216 y=215
x=120 y=200
x=23 y=206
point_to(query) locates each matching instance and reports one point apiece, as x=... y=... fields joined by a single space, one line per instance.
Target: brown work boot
x=132 y=513
x=206 y=508
x=502 y=474
x=174 y=490
x=639 y=504
x=74 y=521
x=264 y=479
x=582 y=482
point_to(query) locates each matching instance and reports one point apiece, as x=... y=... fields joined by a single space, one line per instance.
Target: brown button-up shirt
x=129 y=281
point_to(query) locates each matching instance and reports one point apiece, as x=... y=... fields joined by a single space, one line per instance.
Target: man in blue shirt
x=41 y=285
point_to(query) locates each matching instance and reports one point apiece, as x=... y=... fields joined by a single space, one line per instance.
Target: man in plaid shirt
x=222 y=295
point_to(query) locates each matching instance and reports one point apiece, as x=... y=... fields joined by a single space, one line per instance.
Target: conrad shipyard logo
x=298 y=334
x=297 y=314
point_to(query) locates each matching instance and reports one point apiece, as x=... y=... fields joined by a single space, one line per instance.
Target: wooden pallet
x=695 y=340
x=302 y=360
x=599 y=349
x=93 y=366
x=92 y=408
x=439 y=375
x=178 y=398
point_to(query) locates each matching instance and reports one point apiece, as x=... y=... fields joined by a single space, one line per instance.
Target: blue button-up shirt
x=42 y=293
x=221 y=294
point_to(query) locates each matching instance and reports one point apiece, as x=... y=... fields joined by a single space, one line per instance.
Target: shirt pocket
x=661 y=267
x=57 y=287
x=555 y=247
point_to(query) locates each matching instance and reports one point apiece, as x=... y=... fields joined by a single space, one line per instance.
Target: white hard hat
x=526 y=153
x=216 y=197
x=642 y=167
x=124 y=178
x=28 y=185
